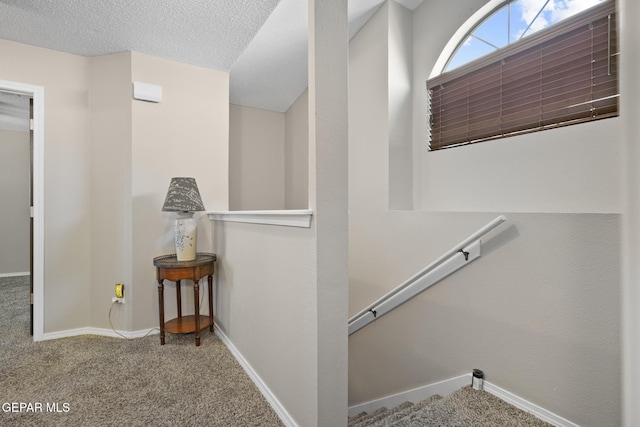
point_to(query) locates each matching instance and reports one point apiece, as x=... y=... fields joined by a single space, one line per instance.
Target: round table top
x=171 y=261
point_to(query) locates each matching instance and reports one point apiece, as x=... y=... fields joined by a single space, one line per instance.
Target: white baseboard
x=527 y=406
x=446 y=387
x=99 y=331
x=415 y=395
x=22 y=273
x=264 y=389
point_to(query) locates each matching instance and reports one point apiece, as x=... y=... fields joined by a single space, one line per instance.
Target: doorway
x=36 y=94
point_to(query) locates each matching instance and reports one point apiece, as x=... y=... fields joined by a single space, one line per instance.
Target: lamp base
x=186 y=237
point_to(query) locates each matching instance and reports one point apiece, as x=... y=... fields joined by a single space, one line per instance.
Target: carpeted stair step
x=436 y=413
x=471 y=408
x=369 y=421
x=356 y=418
x=464 y=408
x=384 y=417
x=398 y=415
x=364 y=417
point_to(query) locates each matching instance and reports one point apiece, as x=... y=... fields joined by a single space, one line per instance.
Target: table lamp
x=183 y=197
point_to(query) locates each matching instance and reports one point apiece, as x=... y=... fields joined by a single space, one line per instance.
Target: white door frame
x=37 y=93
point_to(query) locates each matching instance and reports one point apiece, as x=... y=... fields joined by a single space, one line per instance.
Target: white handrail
x=466 y=242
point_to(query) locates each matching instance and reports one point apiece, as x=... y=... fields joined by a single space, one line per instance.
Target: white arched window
x=528 y=65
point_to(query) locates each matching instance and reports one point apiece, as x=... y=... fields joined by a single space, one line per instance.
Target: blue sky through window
x=517 y=19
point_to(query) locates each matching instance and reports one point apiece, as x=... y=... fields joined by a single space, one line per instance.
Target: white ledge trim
x=288 y=218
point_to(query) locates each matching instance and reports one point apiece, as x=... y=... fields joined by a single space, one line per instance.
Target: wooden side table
x=169 y=268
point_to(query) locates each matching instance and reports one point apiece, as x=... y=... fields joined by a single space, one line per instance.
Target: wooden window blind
x=563 y=75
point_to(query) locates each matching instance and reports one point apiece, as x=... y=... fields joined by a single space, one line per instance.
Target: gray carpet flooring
x=102 y=381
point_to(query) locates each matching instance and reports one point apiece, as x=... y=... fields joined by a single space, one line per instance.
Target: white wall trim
x=100 y=332
x=264 y=389
x=527 y=406
x=23 y=273
x=415 y=395
x=288 y=218
x=37 y=93
x=446 y=387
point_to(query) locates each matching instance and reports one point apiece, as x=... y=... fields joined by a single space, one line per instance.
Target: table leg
x=161 y=308
x=211 y=318
x=179 y=298
x=196 y=303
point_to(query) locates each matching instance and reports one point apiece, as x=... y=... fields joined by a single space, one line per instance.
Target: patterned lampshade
x=183 y=196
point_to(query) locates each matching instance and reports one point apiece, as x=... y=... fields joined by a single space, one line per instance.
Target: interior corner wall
x=187 y=134
x=630 y=111
x=111 y=167
x=135 y=150
x=400 y=63
x=65 y=79
x=14 y=193
x=256 y=156
x=296 y=154
x=369 y=126
x=328 y=199
x=268 y=154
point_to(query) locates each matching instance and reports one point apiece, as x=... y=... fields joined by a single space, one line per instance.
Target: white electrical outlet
x=117 y=300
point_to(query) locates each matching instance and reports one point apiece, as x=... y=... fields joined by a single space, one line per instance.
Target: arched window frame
x=463 y=32
x=540 y=38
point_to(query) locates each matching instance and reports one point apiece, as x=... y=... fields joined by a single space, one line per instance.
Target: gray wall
x=269 y=156
x=14 y=196
x=256 y=153
x=296 y=155
x=539 y=312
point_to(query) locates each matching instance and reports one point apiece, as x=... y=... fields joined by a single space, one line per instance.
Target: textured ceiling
x=262 y=43
x=210 y=33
